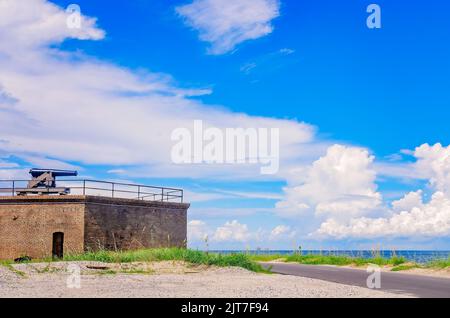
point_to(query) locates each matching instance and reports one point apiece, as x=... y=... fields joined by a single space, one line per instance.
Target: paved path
x=409 y=284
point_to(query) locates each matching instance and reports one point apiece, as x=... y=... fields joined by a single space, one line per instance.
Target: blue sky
x=343 y=77
x=377 y=93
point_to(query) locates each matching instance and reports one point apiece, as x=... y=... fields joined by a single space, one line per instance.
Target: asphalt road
x=408 y=284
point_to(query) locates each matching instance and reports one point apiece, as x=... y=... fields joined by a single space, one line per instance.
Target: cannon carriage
x=44 y=182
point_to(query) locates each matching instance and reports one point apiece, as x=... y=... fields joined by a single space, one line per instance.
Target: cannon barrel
x=55 y=172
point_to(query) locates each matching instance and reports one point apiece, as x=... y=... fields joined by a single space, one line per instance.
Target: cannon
x=44 y=182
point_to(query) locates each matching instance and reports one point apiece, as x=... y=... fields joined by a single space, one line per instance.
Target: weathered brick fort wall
x=27 y=224
x=119 y=224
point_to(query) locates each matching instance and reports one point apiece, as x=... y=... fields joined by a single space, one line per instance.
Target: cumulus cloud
x=226 y=23
x=36 y=23
x=236 y=232
x=432 y=219
x=434 y=164
x=341 y=183
x=409 y=216
x=233 y=231
x=69 y=107
x=197 y=230
x=281 y=232
x=408 y=202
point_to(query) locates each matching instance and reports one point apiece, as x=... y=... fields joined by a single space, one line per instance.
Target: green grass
x=439 y=263
x=168 y=254
x=404 y=267
x=266 y=257
x=397 y=263
x=137 y=271
x=247 y=261
x=107 y=272
x=8 y=265
x=244 y=260
x=343 y=260
x=317 y=259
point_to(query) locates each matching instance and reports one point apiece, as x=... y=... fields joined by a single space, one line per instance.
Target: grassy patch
x=46 y=269
x=312 y=259
x=397 y=263
x=439 y=263
x=267 y=257
x=9 y=266
x=137 y=271
x=169 y=254
x=318 y=259
x=247 y=261
x=404 y=267
x=106 y=272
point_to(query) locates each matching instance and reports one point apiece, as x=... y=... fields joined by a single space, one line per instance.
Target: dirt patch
x=88 y=267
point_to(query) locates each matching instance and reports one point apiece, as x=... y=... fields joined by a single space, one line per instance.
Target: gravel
x=165 y=279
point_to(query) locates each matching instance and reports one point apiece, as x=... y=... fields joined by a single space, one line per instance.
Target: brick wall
x=129 y=224
x=27 y=224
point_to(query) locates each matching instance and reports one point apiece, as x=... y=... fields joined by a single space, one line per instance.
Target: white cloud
x=341 y=183
x=251 y=195
x=192 y=196
x=218 y=194
x=408 y=202
x=13 y=174
x=236 y=232
x=212 y=212
x=29 y=24
x=248 y=67
x=281 y=232
x=432 y=219
x=42 y=162
x=434 y=164
x=232 y=231
x=399 y=170
x=197 y=230
x=409 y=216
x=268 y=62
x=117 y=171
x=286 y=51
x=70 y=107
x=226 y=23
x=7 y=164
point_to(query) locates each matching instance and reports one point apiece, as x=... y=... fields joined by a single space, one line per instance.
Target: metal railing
x=102 y=188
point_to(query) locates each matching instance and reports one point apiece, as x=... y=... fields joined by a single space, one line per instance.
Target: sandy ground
x=428 y=272
x=163 y=279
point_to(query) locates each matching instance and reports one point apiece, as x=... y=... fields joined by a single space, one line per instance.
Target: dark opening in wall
x=58 y=245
